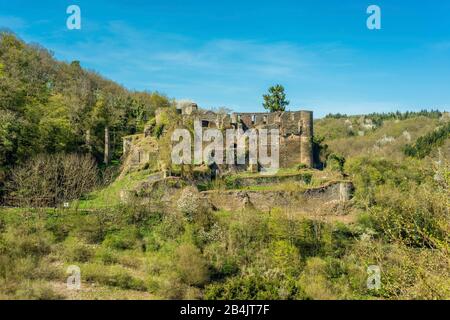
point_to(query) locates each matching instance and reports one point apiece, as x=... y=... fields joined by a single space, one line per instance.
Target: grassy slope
x=110 y=195
x=129 y=270
x=375 y=142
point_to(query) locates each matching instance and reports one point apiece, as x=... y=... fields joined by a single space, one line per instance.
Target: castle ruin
x=295 y=128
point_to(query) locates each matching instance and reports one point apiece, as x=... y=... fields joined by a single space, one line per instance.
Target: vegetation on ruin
x=399 y=218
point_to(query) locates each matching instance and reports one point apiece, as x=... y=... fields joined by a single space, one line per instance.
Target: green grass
x=284 y=186
x=110 y=196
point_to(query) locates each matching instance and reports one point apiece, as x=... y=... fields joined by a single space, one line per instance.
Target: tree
x=53 y=178
x=275 y=100
x=107 y=112
x=49 y=106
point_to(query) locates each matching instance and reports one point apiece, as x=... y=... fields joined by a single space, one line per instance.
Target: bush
x=255 y=285
x=190 y=265
x=418 y=218
x=284 y=256
x=336 y=162
x=106 y=256
x=93 y=226
x=26 y=241
x=36 y=291
x=114 y=276
x=52 y=179
x=123 y=239
x=77 y=251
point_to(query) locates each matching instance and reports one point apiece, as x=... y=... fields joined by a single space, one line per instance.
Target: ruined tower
x=306 y=137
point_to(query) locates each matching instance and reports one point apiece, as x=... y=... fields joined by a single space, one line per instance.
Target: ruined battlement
x=295 y=133
x=296 y=129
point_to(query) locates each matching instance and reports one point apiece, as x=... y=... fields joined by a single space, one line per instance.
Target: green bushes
x=370 y=174
x=34 y=290
x=28 y=240
x=336 y=162
x=255 y=286
x=123 y=239
x=191 y=254
x=76 y=251
x=114 y=276
x=425 y=144
x=417 y=218
x=190 y=265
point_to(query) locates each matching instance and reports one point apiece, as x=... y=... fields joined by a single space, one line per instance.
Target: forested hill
x=50 y=106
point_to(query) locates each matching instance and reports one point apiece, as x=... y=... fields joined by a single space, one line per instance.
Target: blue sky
x=227 y=53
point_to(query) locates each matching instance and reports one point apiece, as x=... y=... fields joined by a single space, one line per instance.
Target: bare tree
x=52 y=179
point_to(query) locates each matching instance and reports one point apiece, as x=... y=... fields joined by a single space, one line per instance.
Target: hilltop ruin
x=295 y=138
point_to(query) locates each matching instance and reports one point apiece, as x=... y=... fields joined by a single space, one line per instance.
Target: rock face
x=307 y=201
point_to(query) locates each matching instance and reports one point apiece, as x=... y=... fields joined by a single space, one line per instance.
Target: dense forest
x=48 y=106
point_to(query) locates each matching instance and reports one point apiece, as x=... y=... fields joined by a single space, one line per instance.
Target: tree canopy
x=275 y=100
x=50 y=106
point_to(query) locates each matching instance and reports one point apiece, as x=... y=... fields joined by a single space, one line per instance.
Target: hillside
x=377 y=196
x=366 y=135
x=398 y=220
x=50 y=106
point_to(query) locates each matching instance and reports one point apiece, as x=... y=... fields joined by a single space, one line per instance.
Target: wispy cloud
x=215 y=72
x=13 y=23
x=174 y=56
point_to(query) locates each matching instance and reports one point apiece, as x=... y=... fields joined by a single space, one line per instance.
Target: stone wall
x=296 y=130
x=295 y=127
x=305 y=201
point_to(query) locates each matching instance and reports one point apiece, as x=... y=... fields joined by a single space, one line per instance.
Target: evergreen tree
x=275 y=100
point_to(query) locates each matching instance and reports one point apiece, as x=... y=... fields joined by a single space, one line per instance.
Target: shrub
x=123 y=239
x=36 y=291
x=255 y=285
x=93 y=226
x=106 y=256
x=189 y=202
x=284 y=256
x=28 y=240
x=172 y=287
x=190 y=265
x=336 y=162
x=50 y=179
x=77 y=251
x=418 y=218
x=114 y=276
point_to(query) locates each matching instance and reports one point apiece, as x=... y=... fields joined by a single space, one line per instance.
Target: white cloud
x=215 y=72
x=12 y=23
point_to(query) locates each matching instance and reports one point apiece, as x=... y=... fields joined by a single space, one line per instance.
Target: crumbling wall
x=296 y=132
x=302 y=201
